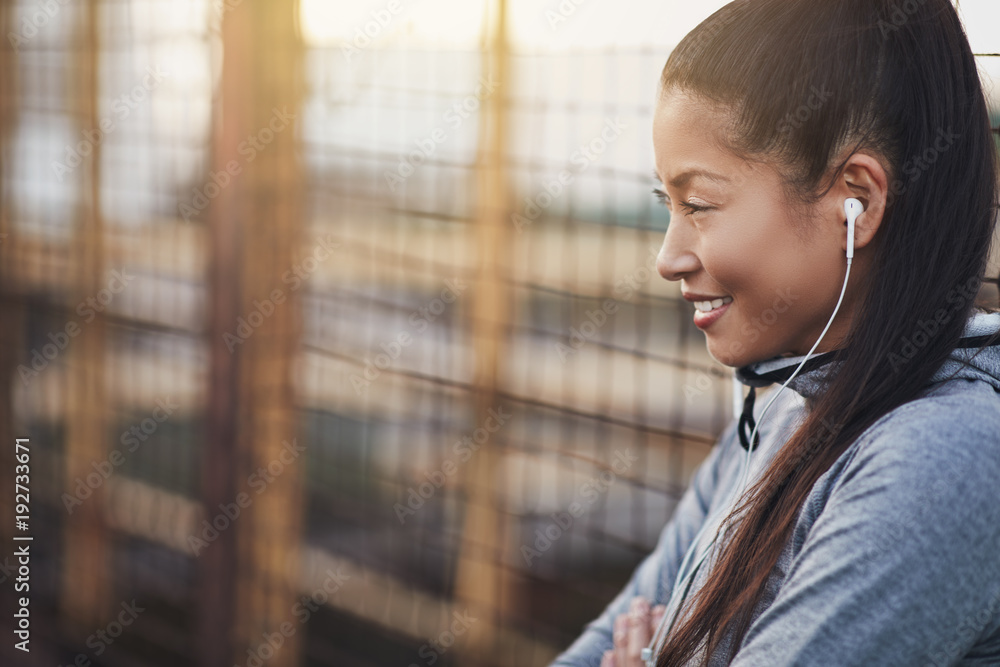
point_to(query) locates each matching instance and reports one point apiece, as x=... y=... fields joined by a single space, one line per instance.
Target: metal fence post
x=85 y=589
x=250 y=579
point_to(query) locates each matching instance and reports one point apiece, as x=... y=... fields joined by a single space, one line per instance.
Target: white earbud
x=853 y=208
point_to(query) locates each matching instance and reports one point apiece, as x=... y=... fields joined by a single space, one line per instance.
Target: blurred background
x=333 y=327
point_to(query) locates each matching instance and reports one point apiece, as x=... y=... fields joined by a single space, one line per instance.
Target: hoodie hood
x=967 y=361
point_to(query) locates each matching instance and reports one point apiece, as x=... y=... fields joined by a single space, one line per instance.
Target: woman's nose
x=676 y=258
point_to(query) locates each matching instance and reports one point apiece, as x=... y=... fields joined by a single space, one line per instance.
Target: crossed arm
x=897 y=563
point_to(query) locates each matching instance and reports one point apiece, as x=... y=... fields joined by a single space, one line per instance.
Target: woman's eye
x=693 y=208
x=689 y=208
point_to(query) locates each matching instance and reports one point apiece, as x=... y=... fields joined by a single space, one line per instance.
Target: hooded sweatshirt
x=894 y=559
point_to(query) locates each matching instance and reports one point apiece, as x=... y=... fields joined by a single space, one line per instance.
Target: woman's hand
x=632 y=633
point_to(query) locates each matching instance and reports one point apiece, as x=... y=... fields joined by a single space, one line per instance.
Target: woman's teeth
x=709 y=306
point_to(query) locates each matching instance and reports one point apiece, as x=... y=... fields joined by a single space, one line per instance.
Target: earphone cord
x=667 y=624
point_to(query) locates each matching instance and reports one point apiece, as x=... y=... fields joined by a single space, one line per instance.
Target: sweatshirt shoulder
x=953 y=427
x=896 y=548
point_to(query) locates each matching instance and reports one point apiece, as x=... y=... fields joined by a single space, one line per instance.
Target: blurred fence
x=330 y=355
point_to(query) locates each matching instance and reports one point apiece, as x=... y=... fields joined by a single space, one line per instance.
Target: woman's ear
x=863 y=178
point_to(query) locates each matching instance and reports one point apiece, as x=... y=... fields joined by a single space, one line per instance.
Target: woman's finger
x=621 y=641
x=659 y=611
x=655 y=618
x=638 y=631
x=608 y=660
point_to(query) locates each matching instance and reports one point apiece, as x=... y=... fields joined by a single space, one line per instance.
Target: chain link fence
x=338 y=350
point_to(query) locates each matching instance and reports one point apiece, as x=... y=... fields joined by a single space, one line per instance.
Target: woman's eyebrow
x=681 y=180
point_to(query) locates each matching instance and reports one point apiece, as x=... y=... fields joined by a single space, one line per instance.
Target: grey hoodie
x=895 y=555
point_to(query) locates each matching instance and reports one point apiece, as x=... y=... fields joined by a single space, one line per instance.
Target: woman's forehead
x=692 y=133
x=688 y=145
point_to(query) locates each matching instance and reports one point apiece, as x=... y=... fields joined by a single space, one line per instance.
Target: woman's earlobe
x=868 y=222
x=867 y=181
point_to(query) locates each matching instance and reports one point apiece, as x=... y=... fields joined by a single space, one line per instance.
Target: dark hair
x=901 y=85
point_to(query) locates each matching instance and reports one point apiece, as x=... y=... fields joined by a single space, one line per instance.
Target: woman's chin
x=734 y=353
x=728 y=353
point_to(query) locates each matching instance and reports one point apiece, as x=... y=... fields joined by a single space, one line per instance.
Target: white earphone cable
x=680 y=586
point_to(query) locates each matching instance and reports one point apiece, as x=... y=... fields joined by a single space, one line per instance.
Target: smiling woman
x=737 y=241
x=832 y=185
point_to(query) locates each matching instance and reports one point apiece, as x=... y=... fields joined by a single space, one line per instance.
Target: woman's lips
x=703 y=320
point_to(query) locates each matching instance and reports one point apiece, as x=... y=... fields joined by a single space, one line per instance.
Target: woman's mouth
x=707 y=312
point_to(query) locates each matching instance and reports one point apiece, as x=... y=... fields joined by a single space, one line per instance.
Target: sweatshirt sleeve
x=654 y=577
x=901 y=565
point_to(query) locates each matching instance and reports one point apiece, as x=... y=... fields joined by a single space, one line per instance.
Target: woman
x=866 y=529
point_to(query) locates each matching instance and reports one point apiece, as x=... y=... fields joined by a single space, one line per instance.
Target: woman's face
x=768 y=278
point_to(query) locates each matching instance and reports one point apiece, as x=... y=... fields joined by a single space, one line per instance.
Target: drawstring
x=754 y=379
x=747 y=423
